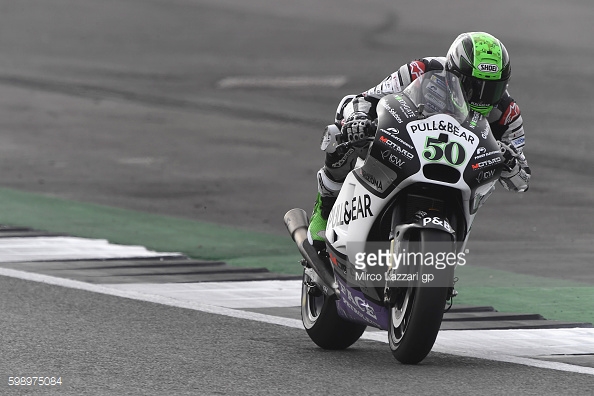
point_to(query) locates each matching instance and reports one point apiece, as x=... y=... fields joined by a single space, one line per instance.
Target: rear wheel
x=321 y=320
x=418 y=311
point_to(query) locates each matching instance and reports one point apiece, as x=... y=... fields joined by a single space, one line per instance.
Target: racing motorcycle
x=430 y=166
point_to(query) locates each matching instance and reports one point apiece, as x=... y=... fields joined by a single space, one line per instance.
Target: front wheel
x=321 y=320
x=416 y=316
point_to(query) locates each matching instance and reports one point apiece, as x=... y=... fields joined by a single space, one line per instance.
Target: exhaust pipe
x=297 y=222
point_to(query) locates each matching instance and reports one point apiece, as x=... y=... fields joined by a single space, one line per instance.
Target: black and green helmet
x=482 y=63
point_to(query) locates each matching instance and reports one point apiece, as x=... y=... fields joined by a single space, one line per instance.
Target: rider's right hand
x=357 y=128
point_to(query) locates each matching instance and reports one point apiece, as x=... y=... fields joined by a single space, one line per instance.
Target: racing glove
x=357 y=128
x=516 y=173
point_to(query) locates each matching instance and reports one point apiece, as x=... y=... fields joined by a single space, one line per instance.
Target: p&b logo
x=488 y=67
x=438 y=222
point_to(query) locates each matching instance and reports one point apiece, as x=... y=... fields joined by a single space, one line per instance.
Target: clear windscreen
x=438 y=92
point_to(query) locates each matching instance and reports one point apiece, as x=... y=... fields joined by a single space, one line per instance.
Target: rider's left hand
x=510 y=155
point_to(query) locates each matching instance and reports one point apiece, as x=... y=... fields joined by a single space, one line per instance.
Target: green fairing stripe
x=487 y=57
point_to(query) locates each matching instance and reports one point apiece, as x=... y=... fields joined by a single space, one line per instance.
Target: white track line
x=237 y=295
x=68 y=248
x=447 y=341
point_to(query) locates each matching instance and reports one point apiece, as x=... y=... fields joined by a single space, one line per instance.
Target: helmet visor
x=483 y=92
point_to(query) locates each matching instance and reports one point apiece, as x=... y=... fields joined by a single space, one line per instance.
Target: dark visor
x=483 y=91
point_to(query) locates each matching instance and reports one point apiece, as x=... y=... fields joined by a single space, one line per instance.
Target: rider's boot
x=319 y=219
x=328 y=190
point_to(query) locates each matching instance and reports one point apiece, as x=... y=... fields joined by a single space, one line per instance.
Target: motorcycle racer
x=481 y=62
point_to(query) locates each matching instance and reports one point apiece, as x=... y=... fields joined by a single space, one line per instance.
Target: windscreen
x=438 y=92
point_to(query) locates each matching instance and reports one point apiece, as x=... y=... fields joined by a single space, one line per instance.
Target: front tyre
x=416 y=317
x=321 y=320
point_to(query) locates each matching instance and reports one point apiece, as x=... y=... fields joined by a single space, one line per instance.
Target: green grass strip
x=556 y=299
x=199 y=240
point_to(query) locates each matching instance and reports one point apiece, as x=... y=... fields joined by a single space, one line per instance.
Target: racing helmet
x=482 y=64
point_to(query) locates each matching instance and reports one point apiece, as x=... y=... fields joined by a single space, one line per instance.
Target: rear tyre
x=321 y=320
x=417 y=314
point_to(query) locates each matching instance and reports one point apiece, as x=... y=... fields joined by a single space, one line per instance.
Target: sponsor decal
x=347 y=211
x=394 y=146
x=391 y=111
x=417 y=69
x=358 y=302
x=519 y=142
x=436 y=91
x=485 y=175
x=408 y=112
x=442 y=125
x=393 y=132
x=485 y=133
x=433 y=99
x=357 y=305
x=486 y=163
x=440 y=82
x=488 y=68
x=410 y=146
x=440 y=138
x=482 y=153
x=372 y=180
x=474 y=120
x=437 y=221
x=511 y=114
x=389 y=156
